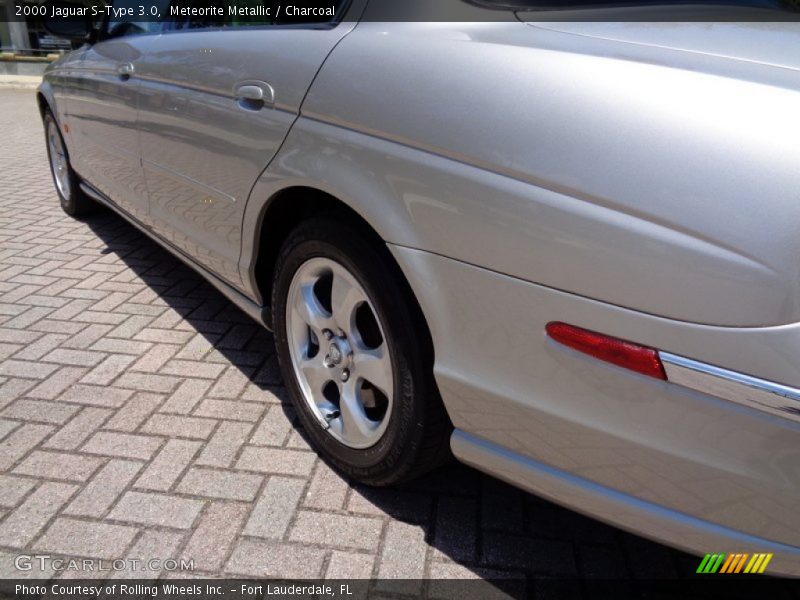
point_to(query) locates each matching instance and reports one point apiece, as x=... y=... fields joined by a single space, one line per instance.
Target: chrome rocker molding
x=753 y=392
x=626 y=511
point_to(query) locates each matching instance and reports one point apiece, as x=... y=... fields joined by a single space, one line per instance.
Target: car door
x=218 y=98
x=103 y=108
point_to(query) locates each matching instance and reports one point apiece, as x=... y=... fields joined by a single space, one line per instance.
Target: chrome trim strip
x=759 y=394
x=181 y=178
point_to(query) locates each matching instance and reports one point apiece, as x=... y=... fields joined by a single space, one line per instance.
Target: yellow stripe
x=765 y=563
x=728 y=561
x=741 y=563
x=752 y=563
x=756 y=566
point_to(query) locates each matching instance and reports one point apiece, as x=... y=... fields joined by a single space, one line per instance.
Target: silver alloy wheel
x=58 y=160
x=339 y=352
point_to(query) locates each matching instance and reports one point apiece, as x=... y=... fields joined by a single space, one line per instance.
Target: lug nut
x=327 y=333
x=345 y=375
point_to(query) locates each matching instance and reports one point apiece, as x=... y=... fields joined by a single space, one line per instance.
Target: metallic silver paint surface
x=245 y=304
x=202 y=148
x=102 y=113
x=503 y=381
x=636 y=180
x=618 y=171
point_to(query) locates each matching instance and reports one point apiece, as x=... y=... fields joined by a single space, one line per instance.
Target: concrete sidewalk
x=20 y=81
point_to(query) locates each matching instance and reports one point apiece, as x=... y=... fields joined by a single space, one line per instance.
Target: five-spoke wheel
x=355 y=353
x=73 y=200
x=340 y=353
x=58 y=159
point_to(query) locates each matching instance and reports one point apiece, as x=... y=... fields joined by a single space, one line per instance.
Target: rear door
x=217 y=99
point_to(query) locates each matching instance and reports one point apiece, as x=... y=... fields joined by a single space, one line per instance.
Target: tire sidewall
x=405 y=420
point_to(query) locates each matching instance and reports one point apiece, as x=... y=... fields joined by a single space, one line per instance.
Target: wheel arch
x=45 y=99
x=283 y=211
x=289 y=207
x=42 y=103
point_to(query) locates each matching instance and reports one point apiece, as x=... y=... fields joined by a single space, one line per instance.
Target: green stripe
x=718 y=563
x=701 y=568
x=711 y=562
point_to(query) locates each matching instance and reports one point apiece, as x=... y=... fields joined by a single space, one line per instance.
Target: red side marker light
x=618 y=352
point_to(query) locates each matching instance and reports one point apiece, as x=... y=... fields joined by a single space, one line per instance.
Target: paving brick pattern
x=142 y=415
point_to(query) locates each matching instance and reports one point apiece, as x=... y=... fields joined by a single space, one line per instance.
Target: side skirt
x=258 y=313
x=621 y=510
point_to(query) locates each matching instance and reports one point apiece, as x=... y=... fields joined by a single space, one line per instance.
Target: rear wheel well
x=284 y=212
x=288 y=209
x=41 y=101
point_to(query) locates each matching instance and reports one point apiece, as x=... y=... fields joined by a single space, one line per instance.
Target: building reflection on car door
x=217 y=100
x=104 y=110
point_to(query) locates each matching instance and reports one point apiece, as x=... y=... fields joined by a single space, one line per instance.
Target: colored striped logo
x=738 y=562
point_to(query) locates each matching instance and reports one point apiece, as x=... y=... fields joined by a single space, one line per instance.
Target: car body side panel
x=103 y=110
x=58 y=83
x=667 y=190
x=202 y=149
x=384 y=181
x=504 y=381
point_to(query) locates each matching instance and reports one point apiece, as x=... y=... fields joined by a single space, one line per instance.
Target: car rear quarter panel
x=504 y=381
x=653 y=181
x=641 y=177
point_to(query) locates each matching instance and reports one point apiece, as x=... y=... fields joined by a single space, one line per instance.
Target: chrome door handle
x=253 y=95
x=250 y=92
x=125 y=71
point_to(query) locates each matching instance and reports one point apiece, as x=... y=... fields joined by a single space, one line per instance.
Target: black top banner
x=170 y=15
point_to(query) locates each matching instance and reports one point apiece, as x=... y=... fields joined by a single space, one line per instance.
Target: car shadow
x=477 y=526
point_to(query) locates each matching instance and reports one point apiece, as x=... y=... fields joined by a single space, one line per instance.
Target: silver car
x=566 y=252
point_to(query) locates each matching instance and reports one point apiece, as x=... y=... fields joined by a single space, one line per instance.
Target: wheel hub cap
x=335 y=356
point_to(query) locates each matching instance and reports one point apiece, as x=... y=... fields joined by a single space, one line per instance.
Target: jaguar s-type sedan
x=566 y=252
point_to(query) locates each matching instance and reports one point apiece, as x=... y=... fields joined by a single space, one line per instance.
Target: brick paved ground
x=142 y=415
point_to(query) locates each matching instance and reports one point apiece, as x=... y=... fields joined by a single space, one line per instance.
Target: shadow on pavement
x=477 y=525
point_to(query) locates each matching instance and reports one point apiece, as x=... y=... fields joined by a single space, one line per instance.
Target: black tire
x=73 y=201
x=417 y=437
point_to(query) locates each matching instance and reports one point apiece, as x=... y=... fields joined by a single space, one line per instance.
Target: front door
x=103 y=108
x=217 y=99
